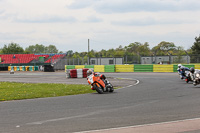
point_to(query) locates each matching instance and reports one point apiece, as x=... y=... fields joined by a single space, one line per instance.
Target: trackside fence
x=131 y=68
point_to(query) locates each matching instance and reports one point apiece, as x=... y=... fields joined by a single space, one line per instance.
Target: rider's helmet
x=89 y=72
x=182 y=67
x=179 y=65
x=192 y=69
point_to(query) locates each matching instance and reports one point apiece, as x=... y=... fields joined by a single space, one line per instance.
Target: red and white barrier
x=77 y=73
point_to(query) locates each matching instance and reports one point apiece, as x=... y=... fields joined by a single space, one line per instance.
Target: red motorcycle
x=100 y=83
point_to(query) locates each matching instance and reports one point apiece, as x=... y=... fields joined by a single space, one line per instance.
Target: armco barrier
x=197 y=66
x=133 y=68
x=189 y=66
x=124 y=68
x=163 y=68
x=175 y=67
x=99 y=68
x=79 y=66
x=186 y=65
x=143 y=68
x=109 y=68
x=70 y=66
x=89 y=66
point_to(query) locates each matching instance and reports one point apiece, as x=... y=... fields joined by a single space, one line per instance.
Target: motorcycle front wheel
x=98 y=89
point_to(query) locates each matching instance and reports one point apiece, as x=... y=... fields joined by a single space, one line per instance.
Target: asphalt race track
x=156 y=98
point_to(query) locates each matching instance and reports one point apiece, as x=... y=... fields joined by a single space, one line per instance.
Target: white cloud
x=119 y=6
x=108 y=24
x=93 y=19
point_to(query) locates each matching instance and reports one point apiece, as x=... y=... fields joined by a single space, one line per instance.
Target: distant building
x=106 y=61
x=165 y=59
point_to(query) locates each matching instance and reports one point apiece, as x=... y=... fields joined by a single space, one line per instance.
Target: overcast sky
x=69 y=24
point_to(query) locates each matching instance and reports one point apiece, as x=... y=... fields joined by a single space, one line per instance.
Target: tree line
x=133 y=49
x=14 y=48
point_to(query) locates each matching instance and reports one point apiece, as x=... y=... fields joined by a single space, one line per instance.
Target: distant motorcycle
x=100 y=85
x=190 y=75
x=184 y=71
x=196 y=77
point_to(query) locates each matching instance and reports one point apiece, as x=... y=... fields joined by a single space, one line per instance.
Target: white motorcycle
x=196 y=77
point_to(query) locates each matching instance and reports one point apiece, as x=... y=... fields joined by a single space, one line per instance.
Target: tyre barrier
x=22 y=68
x=76 y=73
x=73 y=73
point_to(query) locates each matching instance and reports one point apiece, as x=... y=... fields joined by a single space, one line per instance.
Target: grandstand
x=29 y=58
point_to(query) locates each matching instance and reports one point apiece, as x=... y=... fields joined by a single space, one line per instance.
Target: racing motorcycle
x=188 y=76
x=100 y=85
x=196 y=78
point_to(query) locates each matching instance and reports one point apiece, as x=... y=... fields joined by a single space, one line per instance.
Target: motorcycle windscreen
x=90 y=79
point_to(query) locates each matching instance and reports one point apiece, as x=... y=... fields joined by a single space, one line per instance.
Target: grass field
x=18 y=91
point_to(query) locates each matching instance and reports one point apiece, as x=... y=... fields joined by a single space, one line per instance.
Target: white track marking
x=137 y=126
x=137 y=82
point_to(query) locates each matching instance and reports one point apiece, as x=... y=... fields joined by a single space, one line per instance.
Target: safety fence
x=132 y=68
x=23 y=68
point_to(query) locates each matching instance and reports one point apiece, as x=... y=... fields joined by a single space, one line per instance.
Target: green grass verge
x=18 y=91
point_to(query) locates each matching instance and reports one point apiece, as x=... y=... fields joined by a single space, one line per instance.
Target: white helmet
x=179 y=65
x=89 y=72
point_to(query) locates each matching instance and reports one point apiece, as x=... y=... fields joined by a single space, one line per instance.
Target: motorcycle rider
x=182 y=71
x=179 y=66
x=192 y=73
x=102 y=77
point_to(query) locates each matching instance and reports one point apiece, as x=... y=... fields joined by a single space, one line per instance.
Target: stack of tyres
x=15 y=68
x=79 y=73
x=85 y=72
x=18 y=68
x=9 y=68
x=68 y=73
x=23 y=68
x=30 y=68
x=27 y=68
x=36 y=68
x=73 y=73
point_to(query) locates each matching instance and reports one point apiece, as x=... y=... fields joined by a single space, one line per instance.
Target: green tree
x=137 y=49
x=195 y=50
x=196 y=46
x=51 y=49
x=33 y=49
x=69 y=53
x=12 y=48
x=164 y=48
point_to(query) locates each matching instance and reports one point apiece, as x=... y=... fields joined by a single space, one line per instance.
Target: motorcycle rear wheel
x=110 y=88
